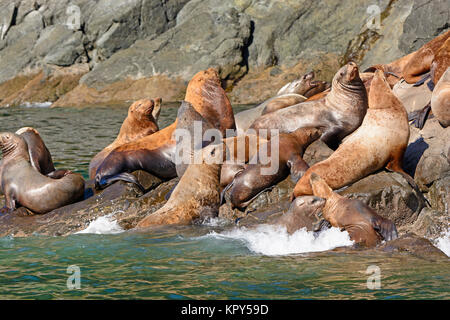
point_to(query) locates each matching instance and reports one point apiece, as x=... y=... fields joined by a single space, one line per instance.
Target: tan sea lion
x=440 y=62
x=24 y=186
x=196 y=196
x=252 y=180
x=338 y=114
x=379 y=142
x=141 y=121
x=154 y=153
x=440 y=99
x=292 y=93
x=422 y=59
x=363 y=224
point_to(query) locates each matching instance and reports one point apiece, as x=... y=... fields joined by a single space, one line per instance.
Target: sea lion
x=363 y=224
x=141 y=121
x=24 y=186
x=379 y=142
x=40 y=157
x=252 y=180
x=155 y=153
x=292 y=93
x=422 y=59
x=338 y=114
x=440 y=62
x=440 y=99
x=196 y=195
x=302 y=213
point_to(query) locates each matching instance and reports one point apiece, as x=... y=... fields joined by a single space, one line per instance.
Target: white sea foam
x=37 y=104
x=443 y=243
x=103 y=225
x=274 y=240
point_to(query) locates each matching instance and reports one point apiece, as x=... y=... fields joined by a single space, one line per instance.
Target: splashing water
x=103 y=225
x=443 y=243
x=275 y=240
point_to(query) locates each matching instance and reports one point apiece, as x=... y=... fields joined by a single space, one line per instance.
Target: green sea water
x=213 y=261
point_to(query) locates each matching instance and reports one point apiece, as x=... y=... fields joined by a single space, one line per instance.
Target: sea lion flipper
x=127 y=177
x=419 y=117
x=422 y=80
x=386 y=228
x=430 y=85
x=298 y=167
x=168 y=194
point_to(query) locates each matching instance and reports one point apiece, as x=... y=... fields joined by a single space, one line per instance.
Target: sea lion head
x=348 y=75
x=319 y=186
x=145 y=109
x=12 y=145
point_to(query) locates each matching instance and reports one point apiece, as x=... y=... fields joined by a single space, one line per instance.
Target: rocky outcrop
x=134 y=46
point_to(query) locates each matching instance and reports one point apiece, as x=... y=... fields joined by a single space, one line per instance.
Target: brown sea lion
x=379 y=142
x=440 y=99
x=24 y=186
x=141 y=121
x=363 y=224
x=252 y=180
x=154 y=153
x=303 y=213
x=338 y=114
x=422 y=59
x=440 y=62
x=196 y=196
x=292 y=93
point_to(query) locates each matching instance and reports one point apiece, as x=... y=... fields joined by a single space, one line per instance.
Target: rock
x=439 y=194
x=425 y=158
x=430 y=224
x=59 y=45
x=415 y=245
x=389 y=194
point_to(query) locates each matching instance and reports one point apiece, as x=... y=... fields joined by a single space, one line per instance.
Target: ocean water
x=210 y=261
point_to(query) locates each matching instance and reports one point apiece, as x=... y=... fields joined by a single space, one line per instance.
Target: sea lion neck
x=15 y=149
x=380 y=94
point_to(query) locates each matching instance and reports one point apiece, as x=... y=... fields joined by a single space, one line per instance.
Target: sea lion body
x=440 y=99
x=252 y=180
x=196 y=195
x=292 y=93
x=363 y=224
x=379 y=142
x=338 y=114
x=141 y=121
x=441 y=62
x=24 y=186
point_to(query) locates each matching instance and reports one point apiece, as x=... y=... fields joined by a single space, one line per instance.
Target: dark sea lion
x=141 y=121
x=292 y=93
x=363 y=224
x=303 y=213
x=155 y=153
x=26 y=187
x=379 y=142
x=440 y=99
x=338 y=114
x=196 y=196
x=422 y=59
x=240 y=149
x=252 y=180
